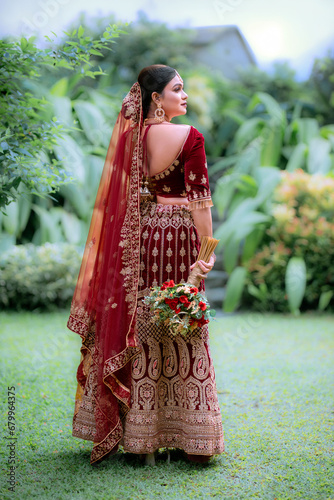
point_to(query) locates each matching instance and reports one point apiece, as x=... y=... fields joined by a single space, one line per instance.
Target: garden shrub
x=38 y=276
x=303 y=226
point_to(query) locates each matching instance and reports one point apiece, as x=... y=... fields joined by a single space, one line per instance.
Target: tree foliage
x=145 y=43
x=26 y=139
x=322 y=81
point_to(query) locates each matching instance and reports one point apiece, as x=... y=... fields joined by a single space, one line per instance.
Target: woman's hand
x=204 y=266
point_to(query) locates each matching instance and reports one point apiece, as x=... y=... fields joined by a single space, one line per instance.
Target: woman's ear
x=155 y=97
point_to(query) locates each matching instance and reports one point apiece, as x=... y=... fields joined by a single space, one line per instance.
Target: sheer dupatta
x=103 y=310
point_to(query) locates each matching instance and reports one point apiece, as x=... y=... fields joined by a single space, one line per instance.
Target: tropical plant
x=74 y=155
x=295 y=265
x=67 y=215
x=293 y=262
x=26 y=139
x=322 y=88
x=264 y=143
x=281 y=83
x=147 y=42
x=85 y=108
x=41 y=277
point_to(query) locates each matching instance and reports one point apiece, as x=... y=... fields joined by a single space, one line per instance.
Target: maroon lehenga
x=173 y=393
x=138 y=385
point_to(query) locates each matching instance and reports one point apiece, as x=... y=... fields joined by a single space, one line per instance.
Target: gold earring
x=159 y=113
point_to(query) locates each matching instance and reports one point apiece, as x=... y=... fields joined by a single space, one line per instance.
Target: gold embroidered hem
x=193 y=205
x=174 y=399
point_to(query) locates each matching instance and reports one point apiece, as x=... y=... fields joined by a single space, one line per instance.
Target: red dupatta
x=103 y=310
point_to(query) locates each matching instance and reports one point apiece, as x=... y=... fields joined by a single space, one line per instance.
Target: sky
x=292 y=30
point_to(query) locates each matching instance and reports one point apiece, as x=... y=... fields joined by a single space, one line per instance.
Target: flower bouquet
x=181 y=307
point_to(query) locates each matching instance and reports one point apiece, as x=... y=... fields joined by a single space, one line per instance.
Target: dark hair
x=153 y=78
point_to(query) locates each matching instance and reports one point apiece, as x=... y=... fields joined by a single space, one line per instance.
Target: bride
x=139 y=385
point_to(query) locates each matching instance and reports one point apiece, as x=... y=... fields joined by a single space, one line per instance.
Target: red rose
x=202 y=321
x=172 y=303
x=194 y=290
x=202 y=306
x=177 y=310
x=167 y=284
x=184 y=300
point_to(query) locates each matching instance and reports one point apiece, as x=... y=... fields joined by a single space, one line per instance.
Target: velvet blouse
x=187 y=175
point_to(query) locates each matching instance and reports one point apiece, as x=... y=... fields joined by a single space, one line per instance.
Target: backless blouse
x=187 y=175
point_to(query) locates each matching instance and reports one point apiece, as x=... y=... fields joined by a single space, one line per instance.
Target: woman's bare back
x=164 y=143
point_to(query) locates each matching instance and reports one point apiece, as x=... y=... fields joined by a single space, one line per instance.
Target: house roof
x=208 y=35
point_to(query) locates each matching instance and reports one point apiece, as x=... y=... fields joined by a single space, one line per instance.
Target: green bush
x=38 y=277
x=302 y=229
x=26 y=137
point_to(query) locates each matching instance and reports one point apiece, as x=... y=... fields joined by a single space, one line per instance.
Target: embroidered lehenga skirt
x=174 y=400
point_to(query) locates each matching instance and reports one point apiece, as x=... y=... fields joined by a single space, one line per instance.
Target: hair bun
x=151 y=79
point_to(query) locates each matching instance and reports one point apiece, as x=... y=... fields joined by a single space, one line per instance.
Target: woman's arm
x=203 y=222
x=198 y=193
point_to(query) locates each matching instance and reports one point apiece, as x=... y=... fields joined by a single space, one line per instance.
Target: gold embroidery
x=169 y=365
x=199 y=195
x=184 y=356
x=169 y=246
x=146 y=395
x=176 y=391
x=192 y=176
x=167 y=171
x=201 y=363
x=155 y=367
x=167 y=189
x=200 y=204
x=139 y=366
x=92 y=242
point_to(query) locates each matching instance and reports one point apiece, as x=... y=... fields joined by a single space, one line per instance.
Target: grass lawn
x=275 y=377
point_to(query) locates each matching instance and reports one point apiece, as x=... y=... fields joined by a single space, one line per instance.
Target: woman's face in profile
x=173 y=98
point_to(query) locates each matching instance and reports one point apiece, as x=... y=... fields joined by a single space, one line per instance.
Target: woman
x=139 y=386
